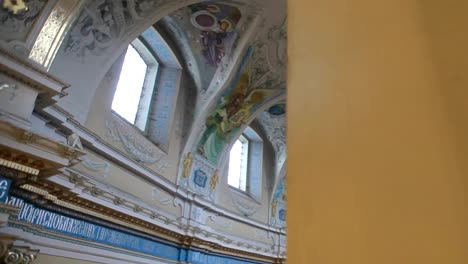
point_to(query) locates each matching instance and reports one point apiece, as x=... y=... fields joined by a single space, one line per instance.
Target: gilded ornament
x=188 y=164
x=274 y=203
x=15 y=6
x=214 y=180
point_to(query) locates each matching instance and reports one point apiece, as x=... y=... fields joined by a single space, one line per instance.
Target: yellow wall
x=378 y=132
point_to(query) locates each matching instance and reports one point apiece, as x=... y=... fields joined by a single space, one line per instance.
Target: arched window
x=245 y=167
x=238 y=163
x=132 y=98
x=148 y=87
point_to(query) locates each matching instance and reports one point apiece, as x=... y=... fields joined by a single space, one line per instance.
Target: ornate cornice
x=71 y=204
x=95 y=143
x=34 y=154
x=30 y=74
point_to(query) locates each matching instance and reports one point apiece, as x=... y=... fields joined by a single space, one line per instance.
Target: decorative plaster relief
x=17 y=254
x=99 y=167
x=102 y=168
x=123 y=200
x=100 y=23
x=265 y=71
x=275 y=128
x=74 y=141
x=277 y=35
x=9 y=89
x=103 y=193
x=162 y=197
x=245 y=207
x=224 y=224
x=136 y=146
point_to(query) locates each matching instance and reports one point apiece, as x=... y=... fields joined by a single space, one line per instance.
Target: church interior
x=143 y=131
x=158 y=131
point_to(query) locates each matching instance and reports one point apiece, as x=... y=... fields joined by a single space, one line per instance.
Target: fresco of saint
x=217 y=25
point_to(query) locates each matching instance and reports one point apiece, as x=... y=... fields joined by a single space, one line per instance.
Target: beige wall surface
x=378 y=132
x=48 y=259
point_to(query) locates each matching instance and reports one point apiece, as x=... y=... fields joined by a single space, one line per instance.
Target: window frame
x=254 y=174
x=244 y=163
x=149 y=84
x=160 y=89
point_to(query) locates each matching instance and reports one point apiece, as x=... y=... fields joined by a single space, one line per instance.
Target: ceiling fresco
x=252 y=86
x=210 y=30
x=236 y=49
x=233 y=109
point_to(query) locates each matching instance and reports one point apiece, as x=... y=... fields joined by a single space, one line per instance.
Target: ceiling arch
x=249 y=78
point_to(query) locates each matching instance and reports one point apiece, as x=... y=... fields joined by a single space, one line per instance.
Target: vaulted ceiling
x=235 y=52
x=227 y=61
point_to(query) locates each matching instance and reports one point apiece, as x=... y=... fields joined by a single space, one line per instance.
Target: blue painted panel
x=183 y=255
x=200 y=178
x=86 y=230
x=5 y=185
x=83 y=229
x=282 y=214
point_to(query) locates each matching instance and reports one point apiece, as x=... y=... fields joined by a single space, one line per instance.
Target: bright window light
x=130 y=85
x=237 y=175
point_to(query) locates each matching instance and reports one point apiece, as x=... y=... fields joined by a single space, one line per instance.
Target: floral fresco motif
x=217 y=25
x=232 y=111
